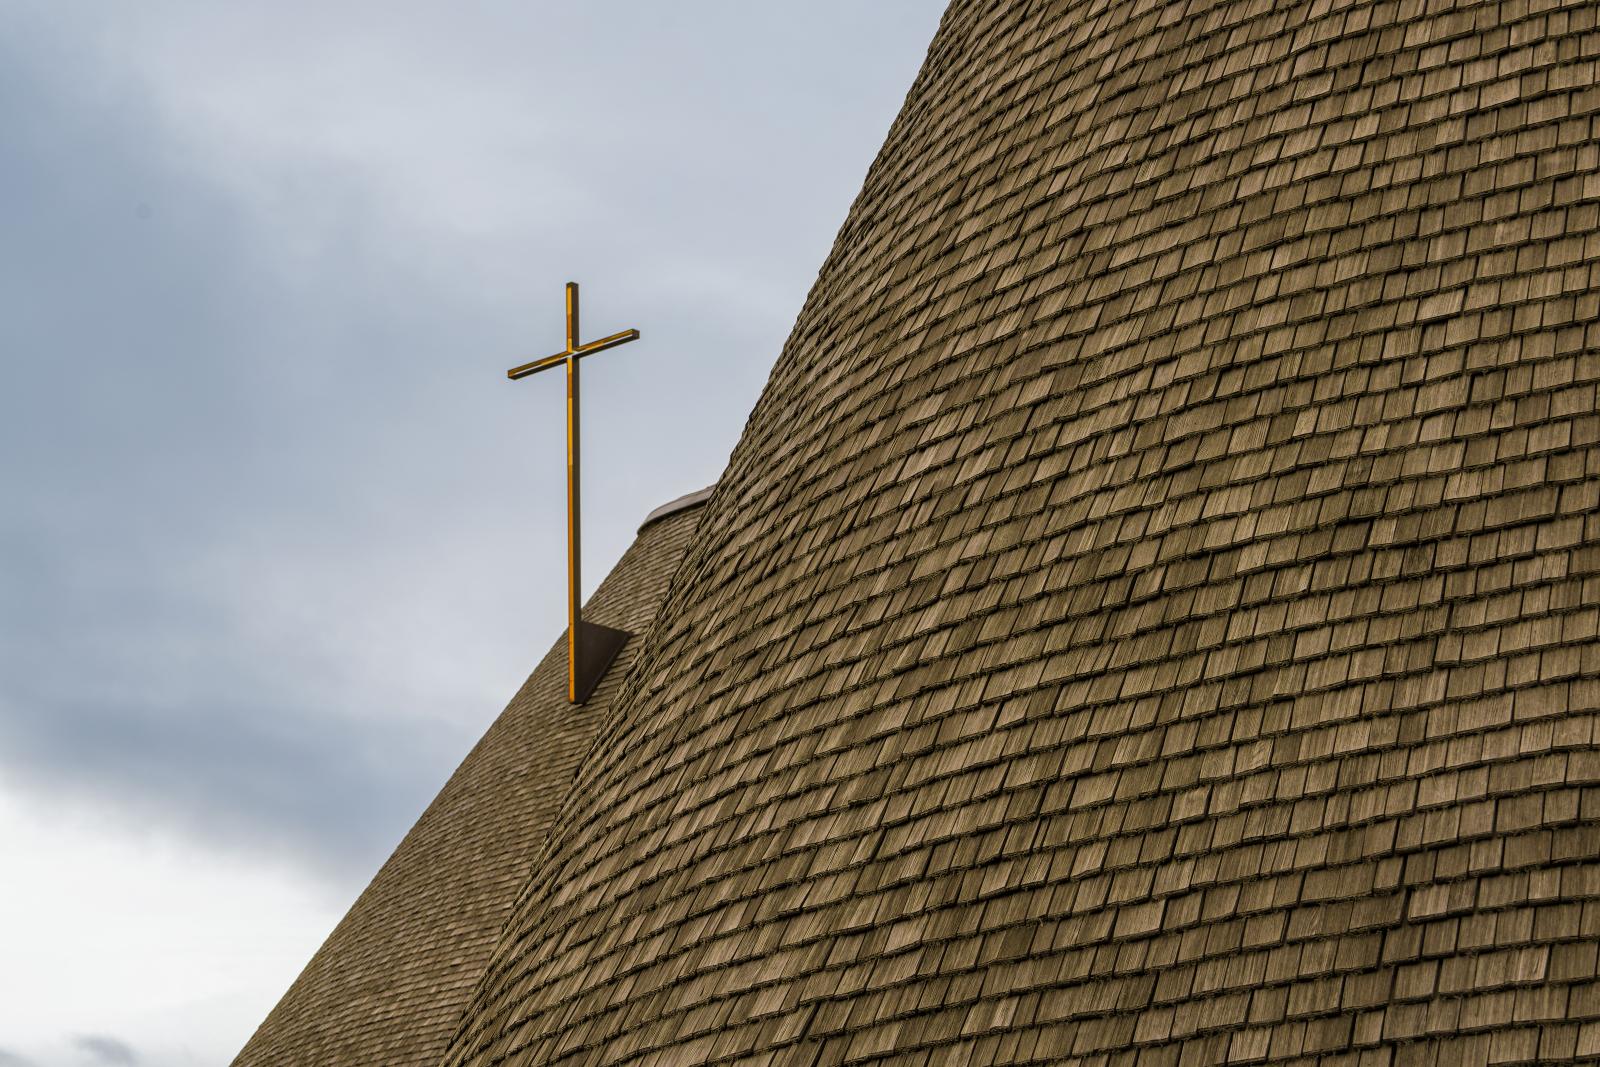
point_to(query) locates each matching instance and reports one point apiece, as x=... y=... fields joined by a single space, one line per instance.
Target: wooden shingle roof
x=1150 y=618
x=388 y=986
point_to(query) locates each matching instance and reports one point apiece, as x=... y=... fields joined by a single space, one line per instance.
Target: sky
x=278 y=540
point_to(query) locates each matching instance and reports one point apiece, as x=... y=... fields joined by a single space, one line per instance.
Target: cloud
x=102 y=1049
x=190 y=947
x=143 y=658
x=11 y=1059
x=270 y=555
x=273 y=514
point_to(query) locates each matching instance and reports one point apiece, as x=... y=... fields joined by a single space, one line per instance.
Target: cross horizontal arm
x=536 y=366
x=582 y=350
x=606 y=342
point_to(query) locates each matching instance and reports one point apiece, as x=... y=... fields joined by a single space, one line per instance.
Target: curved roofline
x=672 y=507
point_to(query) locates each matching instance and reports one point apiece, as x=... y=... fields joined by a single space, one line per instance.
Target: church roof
x=1150 y=617
x=388 y=985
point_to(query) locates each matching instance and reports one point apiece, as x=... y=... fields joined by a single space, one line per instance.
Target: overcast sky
x=278 y=540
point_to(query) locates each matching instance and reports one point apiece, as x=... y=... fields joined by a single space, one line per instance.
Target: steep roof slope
x=1151 y=614
x=388 y=985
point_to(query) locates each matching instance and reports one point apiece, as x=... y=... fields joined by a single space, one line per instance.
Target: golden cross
x=590 y=646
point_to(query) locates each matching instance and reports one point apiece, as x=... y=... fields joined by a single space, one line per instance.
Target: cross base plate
x=597 y=647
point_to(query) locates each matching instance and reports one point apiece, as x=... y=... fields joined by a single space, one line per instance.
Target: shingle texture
x=1150 y=617
x=388 y=986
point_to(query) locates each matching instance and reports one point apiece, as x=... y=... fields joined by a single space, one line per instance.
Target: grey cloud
x=139 y=434
x=267 y=559
x=11 y=1059
x=102 y=1049
x=320 y=789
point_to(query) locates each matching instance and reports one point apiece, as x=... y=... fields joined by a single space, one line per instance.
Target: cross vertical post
x=590 y=646
x=574 y=503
